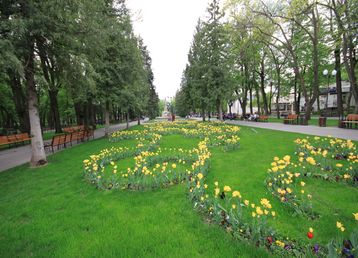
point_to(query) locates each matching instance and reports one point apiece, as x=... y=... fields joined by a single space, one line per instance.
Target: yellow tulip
x=227 y=188
x=235 y=194
x=355 y=215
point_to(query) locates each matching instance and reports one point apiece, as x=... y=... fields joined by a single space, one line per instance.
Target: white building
x=327 y=102
x=236 y=108
x=286 y=104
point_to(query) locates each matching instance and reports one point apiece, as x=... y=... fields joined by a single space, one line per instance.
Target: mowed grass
x=312 y=121
x=246 y=169
x=53 y=212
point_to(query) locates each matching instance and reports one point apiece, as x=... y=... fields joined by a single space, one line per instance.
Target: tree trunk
x=305 y=95
x=86 y=118
x=251 y=108
x=278 y=94
x=5 y=120
x=349 y=101
x=79 y=113
x=243 y=105
x=38 y=155
x=315 y=95
x=308 y=110
x=350 y=58
x=20 y=102
x=203 y=114
x=54 y=109
x=296 y=103
x=49 y=120
x=244 y=102
x=92 y=114
x=337 y=57
x=349 y=55
x=127 y=119
x=106 y=115
x=139 y=119
x=220 y=110
x=258 y=99
x=262 y=87
x=299 y=102
x=270 y=99
x=354 y=86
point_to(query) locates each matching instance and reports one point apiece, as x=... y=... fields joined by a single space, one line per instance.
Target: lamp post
x=322 y=120
x=230 y=103
x=326 y=73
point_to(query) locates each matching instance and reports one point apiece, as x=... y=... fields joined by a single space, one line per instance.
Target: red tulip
x=310 y=235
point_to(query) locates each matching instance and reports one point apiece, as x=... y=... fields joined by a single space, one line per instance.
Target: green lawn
x=313 y=121
x=53 y=212
x=245 y=169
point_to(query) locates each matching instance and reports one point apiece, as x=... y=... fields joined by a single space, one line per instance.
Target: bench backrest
x=58 y=140
x=67 y=130
x=79 y=135
x=89 y=133
x=22 y=136
x=292 y=116
x=68 y=137
x=12 y=138
x=352 y=117
x=4 y=140
x=73 y=129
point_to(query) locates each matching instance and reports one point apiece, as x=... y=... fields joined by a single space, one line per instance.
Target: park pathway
x=17 y=156
x=349 y=134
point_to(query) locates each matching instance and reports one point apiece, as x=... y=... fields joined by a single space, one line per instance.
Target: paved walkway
x=349 y=134
x=17 y=156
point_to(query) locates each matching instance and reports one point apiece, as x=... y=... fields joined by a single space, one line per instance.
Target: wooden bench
x=78 y=136
x=262 y=119
x=57 y=141
x=88 y=134
x=23 y=137
x=351 y=119
x=73 y=129
x=291 y=119
x=66 y=140
x=12 y=139
x=18 y=138
x=4 y=141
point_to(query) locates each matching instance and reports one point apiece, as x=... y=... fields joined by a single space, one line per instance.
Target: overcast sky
x=167 y=28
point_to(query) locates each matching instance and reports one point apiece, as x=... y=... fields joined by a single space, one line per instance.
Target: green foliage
x=205 y=84
x=87 y=52
x=271 y=49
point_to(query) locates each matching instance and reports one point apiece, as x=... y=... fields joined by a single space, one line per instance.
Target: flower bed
x=243 y=218
x=330 y=159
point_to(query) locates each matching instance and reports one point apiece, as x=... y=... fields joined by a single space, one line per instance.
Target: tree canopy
x=67 y=62
x=257 y=51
